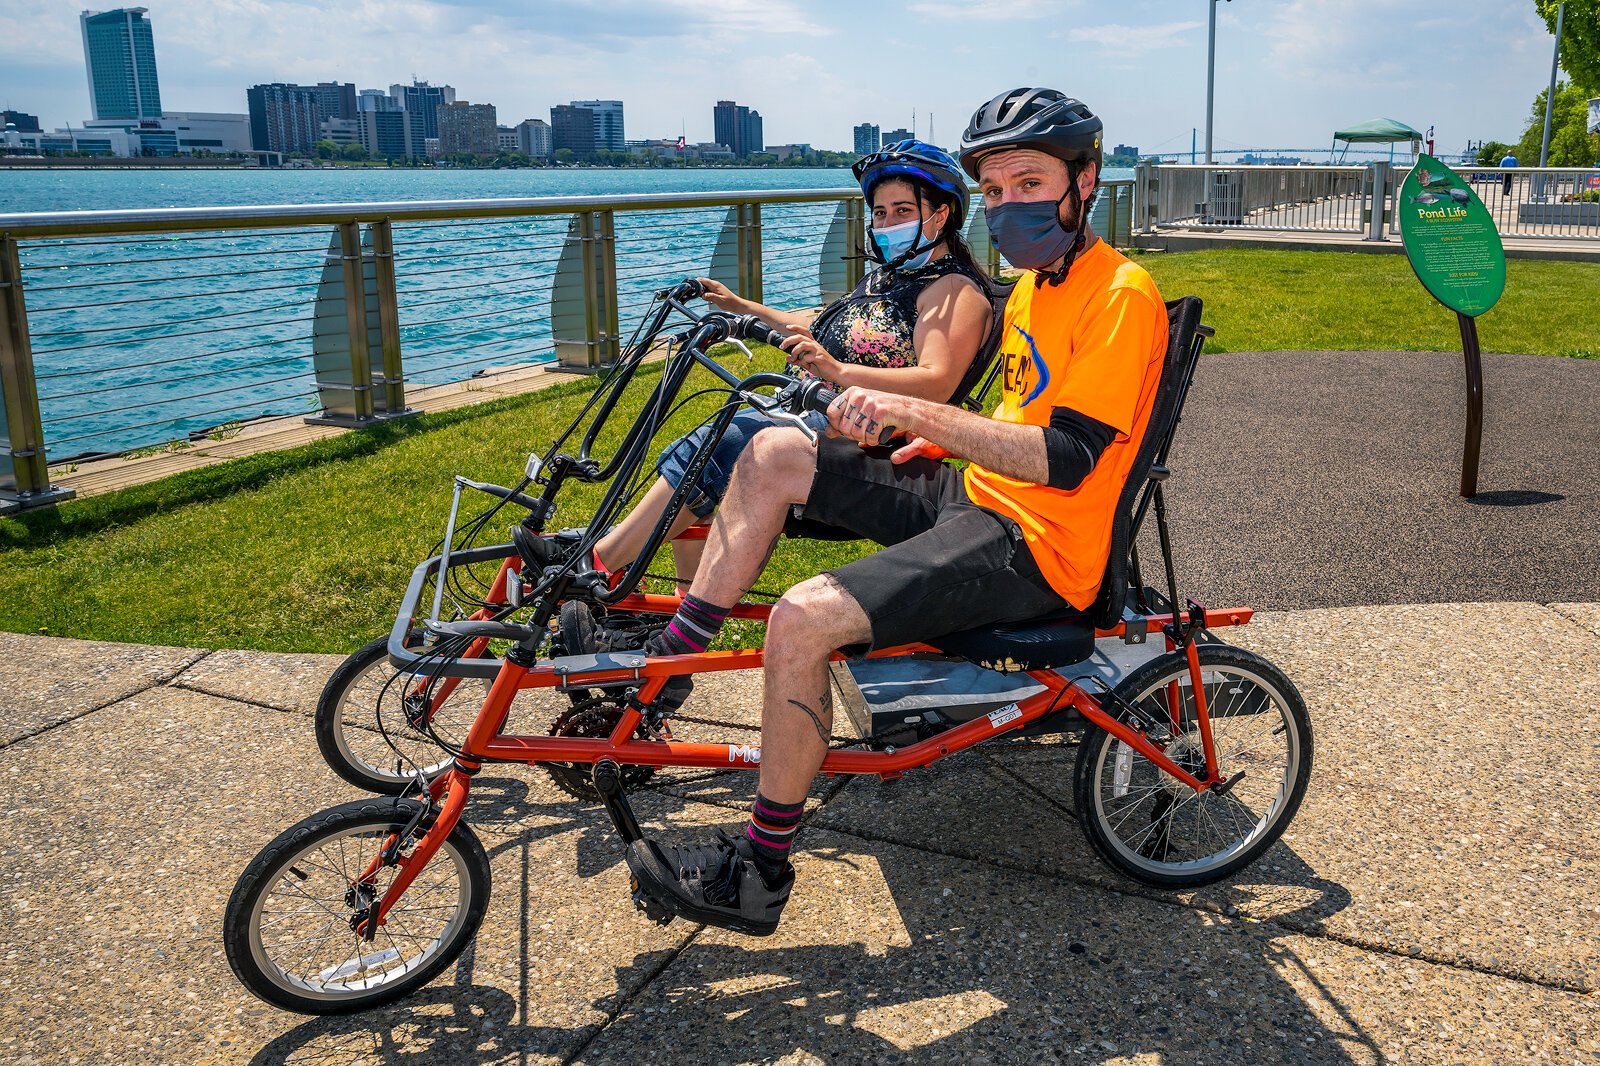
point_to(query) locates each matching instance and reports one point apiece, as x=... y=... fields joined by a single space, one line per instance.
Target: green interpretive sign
x=1451 y=239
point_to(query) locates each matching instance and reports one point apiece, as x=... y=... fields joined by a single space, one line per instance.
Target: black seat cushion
x=1060 y=638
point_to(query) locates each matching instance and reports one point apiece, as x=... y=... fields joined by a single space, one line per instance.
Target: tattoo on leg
x=822 y=730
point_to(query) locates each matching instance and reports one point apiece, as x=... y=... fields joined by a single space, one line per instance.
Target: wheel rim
x=300 y=931
x=1157 y=823
x=356 y=734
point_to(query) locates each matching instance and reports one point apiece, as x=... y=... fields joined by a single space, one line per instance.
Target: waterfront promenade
x=1432 y=902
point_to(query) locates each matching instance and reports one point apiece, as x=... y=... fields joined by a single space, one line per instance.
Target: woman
x=912 y=326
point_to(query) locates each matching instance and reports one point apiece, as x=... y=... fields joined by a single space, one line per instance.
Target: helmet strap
x=1079 y=236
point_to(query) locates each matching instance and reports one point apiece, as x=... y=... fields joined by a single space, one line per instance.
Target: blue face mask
x=895 y=241
x=1029 y=235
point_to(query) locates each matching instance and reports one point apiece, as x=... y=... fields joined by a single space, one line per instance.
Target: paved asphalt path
x=1331 y=479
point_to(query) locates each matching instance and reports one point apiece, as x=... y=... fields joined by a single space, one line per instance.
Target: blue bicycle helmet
x=921 y=161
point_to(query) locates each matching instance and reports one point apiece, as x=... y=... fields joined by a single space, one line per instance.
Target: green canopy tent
x=1378 y=131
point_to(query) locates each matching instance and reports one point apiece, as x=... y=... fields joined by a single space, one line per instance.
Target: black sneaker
x=717 y=883
x=583 y=634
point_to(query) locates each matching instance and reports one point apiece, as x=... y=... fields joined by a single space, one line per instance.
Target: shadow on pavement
x=896 y=954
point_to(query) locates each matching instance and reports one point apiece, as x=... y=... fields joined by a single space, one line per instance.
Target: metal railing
x=1327 y=199
x=1539 y=202
x=128 y=331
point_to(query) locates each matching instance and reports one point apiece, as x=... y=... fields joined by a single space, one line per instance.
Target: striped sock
x=693 y=628
x=771 y=831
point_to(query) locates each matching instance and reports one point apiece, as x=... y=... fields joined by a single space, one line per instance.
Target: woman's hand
x=806 y=353
x=719 y=295
x=918 y=448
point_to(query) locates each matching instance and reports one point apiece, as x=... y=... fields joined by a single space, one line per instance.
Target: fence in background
x=1541 y=202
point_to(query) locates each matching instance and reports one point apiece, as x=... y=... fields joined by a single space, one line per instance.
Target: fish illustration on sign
x=1460 y=196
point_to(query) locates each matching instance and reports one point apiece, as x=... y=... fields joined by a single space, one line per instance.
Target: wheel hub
x=1189 y=753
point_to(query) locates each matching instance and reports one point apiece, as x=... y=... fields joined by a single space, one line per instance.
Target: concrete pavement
x=1433 y=901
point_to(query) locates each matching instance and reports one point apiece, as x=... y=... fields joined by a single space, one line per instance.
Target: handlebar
x=510 y=495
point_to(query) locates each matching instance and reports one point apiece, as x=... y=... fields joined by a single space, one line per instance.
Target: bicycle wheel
x=1153 y=828
x=287 y=928
x=359 y=694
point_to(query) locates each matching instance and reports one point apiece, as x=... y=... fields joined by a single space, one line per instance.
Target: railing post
x=1377 y=200
x=583 y=296
x=355 y=319
x=394 y=389
x=601 y=274
x=24 y=471
x=856 y=240
x=750 y=252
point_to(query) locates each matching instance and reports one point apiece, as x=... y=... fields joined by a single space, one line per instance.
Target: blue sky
x=1288 y=72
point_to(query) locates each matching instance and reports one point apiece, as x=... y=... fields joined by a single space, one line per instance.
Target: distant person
x=1509 y=161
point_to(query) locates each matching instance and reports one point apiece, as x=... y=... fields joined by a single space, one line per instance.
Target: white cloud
x=976 y=11
x=1134 y=39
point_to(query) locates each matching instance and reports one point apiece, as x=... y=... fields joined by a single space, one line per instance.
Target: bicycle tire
x=1180 y=838
x=351 y=748
x=310 y=986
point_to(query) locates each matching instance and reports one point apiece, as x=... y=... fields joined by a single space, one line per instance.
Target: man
x=1509 y=160
x=1025 y=531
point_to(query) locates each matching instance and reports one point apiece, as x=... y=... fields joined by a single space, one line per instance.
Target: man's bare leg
x=807 y=624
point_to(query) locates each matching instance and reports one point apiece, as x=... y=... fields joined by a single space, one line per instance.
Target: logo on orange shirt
x=1018 y=370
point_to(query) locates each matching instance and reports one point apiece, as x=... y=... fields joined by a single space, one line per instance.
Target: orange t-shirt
x=1094 y=343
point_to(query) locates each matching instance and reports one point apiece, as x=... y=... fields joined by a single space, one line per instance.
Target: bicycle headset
x=922 y=163
x=1051 y=122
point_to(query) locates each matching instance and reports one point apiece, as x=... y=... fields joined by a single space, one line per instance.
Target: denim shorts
x=713 y=483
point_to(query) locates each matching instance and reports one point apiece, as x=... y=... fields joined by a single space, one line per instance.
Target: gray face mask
x=1030 y=235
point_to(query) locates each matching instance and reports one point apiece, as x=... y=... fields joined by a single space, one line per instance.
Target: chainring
x=593 y=717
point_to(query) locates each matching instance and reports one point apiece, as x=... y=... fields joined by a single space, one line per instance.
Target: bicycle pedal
x=652 y=908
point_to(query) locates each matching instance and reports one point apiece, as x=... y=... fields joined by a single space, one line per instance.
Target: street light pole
x=1550 y=98
x=1211 y=72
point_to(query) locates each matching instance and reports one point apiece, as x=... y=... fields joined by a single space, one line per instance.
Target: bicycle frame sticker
x=749 y=754
x=1009 y=713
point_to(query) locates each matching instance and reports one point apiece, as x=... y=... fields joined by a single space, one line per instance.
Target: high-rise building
x=24 y=122
x=337 y=100
x=750 y=136
x=423 y=101
x=894 y=136
x=867 y=140
x=737 y=127
x=120 y=53
x=505 y=138
x=572 y=128
x=1125 y=149
x=465 y=127
x=387 y=134
x=607 y=123
x=284 y=118
x=533 y=138
x=376 y=100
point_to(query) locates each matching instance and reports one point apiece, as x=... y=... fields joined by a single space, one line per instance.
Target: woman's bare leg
x=686 y=559
x=622 y=545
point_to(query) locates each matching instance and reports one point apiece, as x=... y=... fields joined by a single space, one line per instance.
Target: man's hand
x=918 y=448
x=864 y=415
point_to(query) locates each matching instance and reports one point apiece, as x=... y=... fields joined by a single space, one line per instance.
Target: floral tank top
x=875 y=325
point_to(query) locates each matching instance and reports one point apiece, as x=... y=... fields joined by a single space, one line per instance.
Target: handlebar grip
x=505 y=494
x=752 y=328
x=687 y=289
x=815 y=396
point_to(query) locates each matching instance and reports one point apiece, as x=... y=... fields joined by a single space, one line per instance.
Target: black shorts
x=947 y=564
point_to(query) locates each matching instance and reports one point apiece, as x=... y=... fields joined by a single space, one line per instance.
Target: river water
x=144 y=340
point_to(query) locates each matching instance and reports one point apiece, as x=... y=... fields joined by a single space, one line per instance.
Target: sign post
x=1454 y=248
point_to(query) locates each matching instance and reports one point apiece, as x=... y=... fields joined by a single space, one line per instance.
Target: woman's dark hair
x=950 y=233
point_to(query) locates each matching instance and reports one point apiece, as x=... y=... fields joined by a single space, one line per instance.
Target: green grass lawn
x=310 y=549
x=1264 y=300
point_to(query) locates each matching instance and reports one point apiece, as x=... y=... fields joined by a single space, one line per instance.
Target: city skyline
x=1327 y=65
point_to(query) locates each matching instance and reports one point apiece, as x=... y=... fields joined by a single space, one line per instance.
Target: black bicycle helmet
x=919 y=160
x=1045 y=119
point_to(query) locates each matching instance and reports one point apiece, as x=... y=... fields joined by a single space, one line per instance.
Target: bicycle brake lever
x=749 y=356
x=774 y=410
